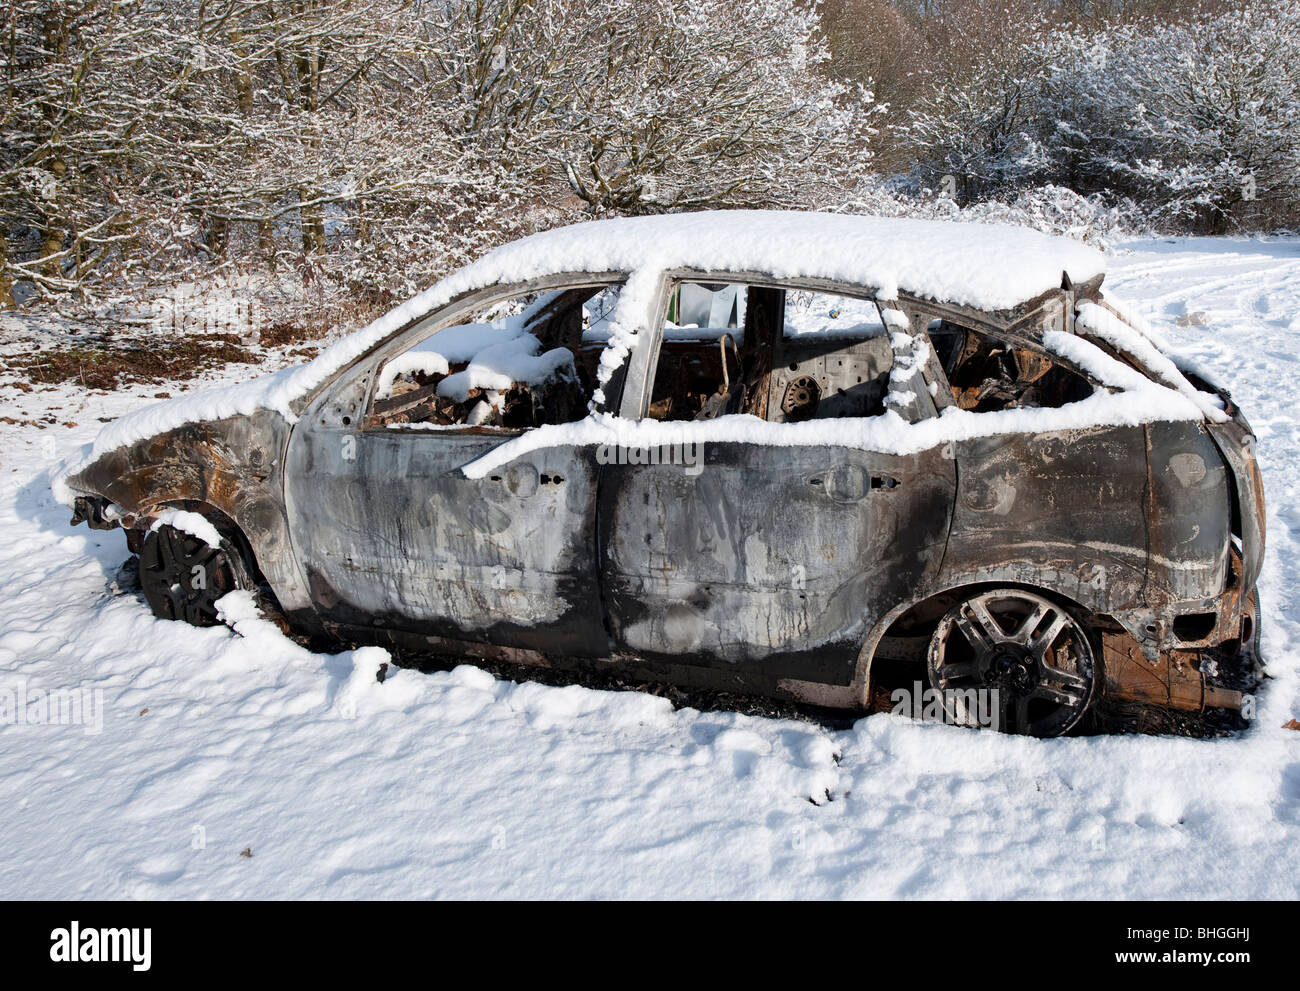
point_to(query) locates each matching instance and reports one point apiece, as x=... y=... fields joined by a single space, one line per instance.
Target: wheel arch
x=925 y=611
x=226 y=525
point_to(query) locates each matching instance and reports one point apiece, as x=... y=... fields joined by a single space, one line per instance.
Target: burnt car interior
x=783 y=355
x=986 y=374
x=561 y=320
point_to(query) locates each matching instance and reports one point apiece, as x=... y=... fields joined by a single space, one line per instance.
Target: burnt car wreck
x=779 y=454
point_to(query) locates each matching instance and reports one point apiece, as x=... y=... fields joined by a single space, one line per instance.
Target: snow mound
x=191 y=523
x=500 y=366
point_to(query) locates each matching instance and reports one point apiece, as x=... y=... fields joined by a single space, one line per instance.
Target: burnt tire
x=1034 y=653
x=182 y=577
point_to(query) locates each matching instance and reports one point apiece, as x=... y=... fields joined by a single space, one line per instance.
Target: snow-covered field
x=211 y=743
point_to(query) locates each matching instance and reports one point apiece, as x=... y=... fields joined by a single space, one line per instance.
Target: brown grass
x=110 y=364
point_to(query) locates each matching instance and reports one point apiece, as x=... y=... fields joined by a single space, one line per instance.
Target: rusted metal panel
x=234 y=466
x=1172 y=679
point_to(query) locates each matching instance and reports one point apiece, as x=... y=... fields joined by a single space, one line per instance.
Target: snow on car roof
x=985 y=266
x=981 y=265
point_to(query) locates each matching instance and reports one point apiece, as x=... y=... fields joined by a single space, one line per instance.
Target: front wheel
x=182 y=577
x=1034 y=660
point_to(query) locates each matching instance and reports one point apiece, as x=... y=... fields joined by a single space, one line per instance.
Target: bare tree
x=373 y=143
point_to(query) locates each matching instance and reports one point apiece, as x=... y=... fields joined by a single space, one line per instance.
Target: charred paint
x=774 y=570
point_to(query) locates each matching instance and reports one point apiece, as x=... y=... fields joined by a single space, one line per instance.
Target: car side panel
x=771 y=561
x=393 y=536
x=1061 y=510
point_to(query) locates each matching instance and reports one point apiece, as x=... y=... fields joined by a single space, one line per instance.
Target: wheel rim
x=182 y=577
x=1028 y=649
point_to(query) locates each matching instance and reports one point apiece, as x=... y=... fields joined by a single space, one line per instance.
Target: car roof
x=985 y=266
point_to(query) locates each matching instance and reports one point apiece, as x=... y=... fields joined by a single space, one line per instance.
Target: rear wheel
x=1030 y=654
x=183 y=577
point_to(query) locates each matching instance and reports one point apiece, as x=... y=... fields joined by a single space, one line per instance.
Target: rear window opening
x=988 y=375
x=783 y=355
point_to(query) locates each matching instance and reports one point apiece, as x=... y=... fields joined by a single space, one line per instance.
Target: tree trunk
x=51 y=246
x=266 y=242
x=362 y=223
x=6 y=281
x=218 y=236
x=243 y=76
x=313 y=223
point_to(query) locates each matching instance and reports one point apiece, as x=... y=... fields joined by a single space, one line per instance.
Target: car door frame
x=804 y=675
x=342 y=405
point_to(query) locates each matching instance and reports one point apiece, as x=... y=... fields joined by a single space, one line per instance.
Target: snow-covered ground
x=210 y=743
